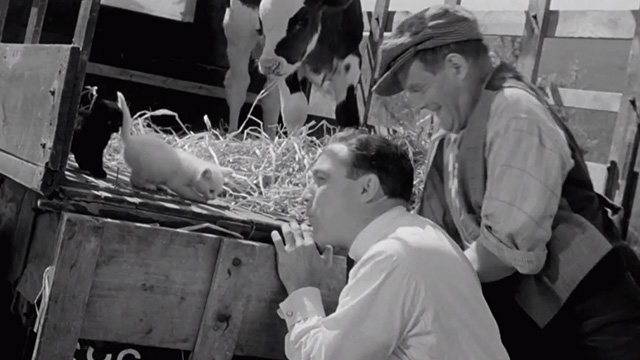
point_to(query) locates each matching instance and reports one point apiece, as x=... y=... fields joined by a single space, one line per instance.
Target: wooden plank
x=626 y=122
x=78 y=245
x=4 y=12
x=180 y=10
x=590 y=100
x=32 y=117
x=160 y=81
x=42 y=250
x=369 y=48
x=592 y=24
x=230 y=291
x=579 y=24
x=36 y=21
x=151 y=285
x=532 y=39
x=83 y=38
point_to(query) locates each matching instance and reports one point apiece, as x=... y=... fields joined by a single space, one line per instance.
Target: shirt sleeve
x=528 y=159
x=367 y=324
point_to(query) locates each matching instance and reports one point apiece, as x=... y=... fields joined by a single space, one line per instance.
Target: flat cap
x=432 y=27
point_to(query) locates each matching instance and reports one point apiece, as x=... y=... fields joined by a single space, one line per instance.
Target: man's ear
x=369 y=187
x=457 y=65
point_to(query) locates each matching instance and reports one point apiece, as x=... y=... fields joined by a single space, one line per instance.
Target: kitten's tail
x=125 y=131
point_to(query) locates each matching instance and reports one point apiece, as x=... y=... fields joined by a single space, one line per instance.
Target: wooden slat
x=36 y=21
x=580 y=24
x=78 y=245
x=183 y=10
x=369 y=47
x=626 y=122
x=160 y=81
x=31 y=117
x=151 y=285
x=590 y=100
x=230 y=291
x=4 y=12
x=532 y=38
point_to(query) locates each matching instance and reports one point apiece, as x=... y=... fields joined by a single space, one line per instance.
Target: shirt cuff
x=300 y=305
x=528 y=262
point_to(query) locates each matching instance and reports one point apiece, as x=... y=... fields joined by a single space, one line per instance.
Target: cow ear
x=335 y=4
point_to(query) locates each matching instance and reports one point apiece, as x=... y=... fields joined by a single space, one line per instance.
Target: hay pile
x=271 y=174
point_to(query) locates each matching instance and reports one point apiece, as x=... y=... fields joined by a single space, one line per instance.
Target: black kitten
x=92 y=133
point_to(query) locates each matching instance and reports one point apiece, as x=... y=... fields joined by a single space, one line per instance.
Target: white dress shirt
x=412 y=294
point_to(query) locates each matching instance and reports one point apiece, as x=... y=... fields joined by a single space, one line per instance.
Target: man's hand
x=299 y=262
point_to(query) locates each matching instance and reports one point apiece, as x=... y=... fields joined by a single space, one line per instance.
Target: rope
x=45 y=292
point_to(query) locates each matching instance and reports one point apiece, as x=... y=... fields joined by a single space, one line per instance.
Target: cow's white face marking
x=291 y=31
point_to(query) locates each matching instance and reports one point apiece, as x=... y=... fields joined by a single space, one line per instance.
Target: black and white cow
x=303 y=42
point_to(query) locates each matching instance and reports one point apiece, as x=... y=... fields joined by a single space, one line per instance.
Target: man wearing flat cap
x=507 y=181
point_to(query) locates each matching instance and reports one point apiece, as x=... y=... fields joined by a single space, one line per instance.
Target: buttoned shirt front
x=412 y=294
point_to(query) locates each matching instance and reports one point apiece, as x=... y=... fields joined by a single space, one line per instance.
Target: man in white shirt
x=412 y=293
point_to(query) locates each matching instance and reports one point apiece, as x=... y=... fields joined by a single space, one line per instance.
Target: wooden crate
x=128 y=270
x=105 y=263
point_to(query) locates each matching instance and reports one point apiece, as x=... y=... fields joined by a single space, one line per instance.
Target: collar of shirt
x=375 y=231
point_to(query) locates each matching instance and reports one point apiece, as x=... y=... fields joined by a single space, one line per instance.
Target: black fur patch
x=92 y=134
x=347 y=114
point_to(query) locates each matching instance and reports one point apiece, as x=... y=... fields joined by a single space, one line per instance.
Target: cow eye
x=302 y=21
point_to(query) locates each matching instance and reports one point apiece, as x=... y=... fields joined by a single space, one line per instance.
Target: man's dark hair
x=375 y=154
x=472 y=50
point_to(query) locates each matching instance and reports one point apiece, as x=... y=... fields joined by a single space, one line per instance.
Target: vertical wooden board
x=4 y=12
x=36 y=21
x=41 y=78
x=41 y=254
x=230 y=290
x=369 y=49
x=78 y=245
x=11 y=195
x=180 y=10
x=626 y=122
x=532 y=39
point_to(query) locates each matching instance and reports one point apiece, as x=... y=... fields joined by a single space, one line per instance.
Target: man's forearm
x=488 y=266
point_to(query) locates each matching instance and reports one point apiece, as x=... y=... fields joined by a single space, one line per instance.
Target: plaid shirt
x=526 y=161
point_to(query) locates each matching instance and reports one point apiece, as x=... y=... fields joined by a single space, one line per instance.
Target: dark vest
x=582 y=231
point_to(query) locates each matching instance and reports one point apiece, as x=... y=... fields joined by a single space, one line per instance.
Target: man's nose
x=269 y=66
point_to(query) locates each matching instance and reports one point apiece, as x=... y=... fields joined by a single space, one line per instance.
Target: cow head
x=291 y=29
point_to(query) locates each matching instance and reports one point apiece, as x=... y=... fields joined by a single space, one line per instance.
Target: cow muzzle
x=270 y=66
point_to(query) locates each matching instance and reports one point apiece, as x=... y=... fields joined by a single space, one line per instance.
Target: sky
x=414 y=5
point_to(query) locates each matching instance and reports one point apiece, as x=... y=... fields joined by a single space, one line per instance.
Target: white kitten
x=155 y=165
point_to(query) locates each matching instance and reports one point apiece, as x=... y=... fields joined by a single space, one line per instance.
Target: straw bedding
x=271 y=174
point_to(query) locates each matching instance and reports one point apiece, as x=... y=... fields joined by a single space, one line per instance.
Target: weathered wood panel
x=230 y=291
x=4 y=12
x=533 y=39
x=579 y=24
x=151 y=285
x=76 y=251
x=181 y=10
x=160 y=81
x=36 y=21
x=34 y=113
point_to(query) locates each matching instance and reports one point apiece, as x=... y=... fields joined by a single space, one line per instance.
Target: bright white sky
x=414 y=5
